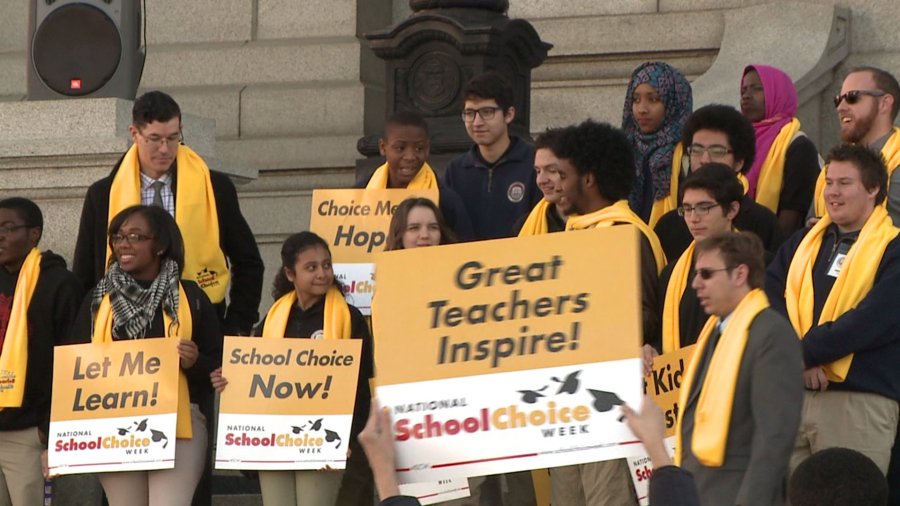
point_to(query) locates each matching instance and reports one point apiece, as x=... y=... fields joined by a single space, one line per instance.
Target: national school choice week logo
x=7 y=380
x=307 y=438
x=207 y=278
x=133 y=439
x=552 y=419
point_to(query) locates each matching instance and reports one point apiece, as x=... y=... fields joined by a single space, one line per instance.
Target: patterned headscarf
x=656 y=149
x=781 y=107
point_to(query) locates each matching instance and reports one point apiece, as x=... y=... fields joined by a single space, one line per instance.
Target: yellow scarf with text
x=14 y=355
x=678 y=282
x=195 y=214
x=771 y=174
x=713 y=414
x=670 y=201
x=336 y=323
x=891 y=154
x=103 y=326
x=536 y=224
x=425 y=179
x=619 y=212
x=853 y=283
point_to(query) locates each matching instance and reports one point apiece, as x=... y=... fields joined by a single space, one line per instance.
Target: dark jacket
x=452 y=208
x=51 y=312
x=206 y=332
x=235 y=238
x=691 y=316
x=555 y=222
x=495 y=195
x=871 y=331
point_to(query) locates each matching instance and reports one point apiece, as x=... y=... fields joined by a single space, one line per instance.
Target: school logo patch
x=516 y=192
x=319 y=334
x=207 y=278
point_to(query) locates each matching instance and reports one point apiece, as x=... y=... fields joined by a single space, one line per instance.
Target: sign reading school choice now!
x=114 y=406
x=509 y=355
x=288 y=403
x=355 y=224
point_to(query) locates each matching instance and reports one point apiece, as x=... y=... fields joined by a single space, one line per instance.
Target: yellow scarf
x=891 y=154
x=14 y=355
x=852 y=284
x=619 y=212
x=713 y=413
x=425 y=179
x=678 y=281
x=536 y=224
x=771 y=174
x=336 y=323
x=670 y=201
x=103 y=334
x=195 y=213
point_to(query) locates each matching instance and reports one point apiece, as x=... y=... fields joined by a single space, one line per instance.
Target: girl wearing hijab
x=309 y=304
x=784 y=171
x=142 y=296
x=657 y=104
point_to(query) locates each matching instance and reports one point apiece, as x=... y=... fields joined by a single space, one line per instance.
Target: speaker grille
x=76 y=49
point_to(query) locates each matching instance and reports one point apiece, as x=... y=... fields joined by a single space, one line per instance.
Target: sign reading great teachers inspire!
x=355 y=225
x=288 y=403
x=511 y=354
x=114 y=406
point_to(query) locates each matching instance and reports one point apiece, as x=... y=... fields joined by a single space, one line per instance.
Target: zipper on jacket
x=490 y=178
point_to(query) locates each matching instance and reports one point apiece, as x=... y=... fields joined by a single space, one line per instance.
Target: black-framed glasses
x=716 y=151
x=486 y=113
x=157 y=141
x=129 y=238
x=705 y=274
x=698 y=210
x=8 y=229
x=852 y=96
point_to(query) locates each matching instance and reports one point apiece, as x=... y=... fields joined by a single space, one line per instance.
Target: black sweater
x=51 y=312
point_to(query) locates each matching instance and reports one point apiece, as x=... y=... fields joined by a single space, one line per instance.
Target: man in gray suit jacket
x=749 y=354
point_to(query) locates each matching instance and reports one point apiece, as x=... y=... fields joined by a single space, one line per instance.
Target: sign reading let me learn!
x=511 y=354
x=114 y=407
x=355 y=224
x=288 y=403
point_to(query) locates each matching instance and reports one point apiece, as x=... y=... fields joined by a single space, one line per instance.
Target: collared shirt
x=168 y=198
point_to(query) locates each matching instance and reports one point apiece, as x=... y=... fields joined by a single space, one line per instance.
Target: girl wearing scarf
x=309 y=304
x=657 y=104
x=784 y=171
x=142 y=296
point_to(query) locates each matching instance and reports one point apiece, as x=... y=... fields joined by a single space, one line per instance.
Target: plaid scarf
x=134 y=306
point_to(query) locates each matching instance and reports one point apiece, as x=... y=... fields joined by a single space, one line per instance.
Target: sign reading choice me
x=114 y=407
x=509 y=355
x=355 y=224
x=288 y=403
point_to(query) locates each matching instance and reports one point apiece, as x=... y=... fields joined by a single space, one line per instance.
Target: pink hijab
x=781 y=107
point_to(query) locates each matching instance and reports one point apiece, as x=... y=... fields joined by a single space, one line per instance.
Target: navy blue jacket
x=871 y=331
x=496 y=196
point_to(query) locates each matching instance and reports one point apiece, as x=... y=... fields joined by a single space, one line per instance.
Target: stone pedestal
x=51 y=151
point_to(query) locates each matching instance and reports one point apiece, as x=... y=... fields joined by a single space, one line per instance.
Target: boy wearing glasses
x=495 y=178
x=741 y=394
x=720 y=133
x=39 y=299
x=839 y=282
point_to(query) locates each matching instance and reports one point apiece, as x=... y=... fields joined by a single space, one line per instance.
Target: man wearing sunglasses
x=720 y=133
x=495 y=178
x=741 y=394
x=867 y=107
x=839 y=282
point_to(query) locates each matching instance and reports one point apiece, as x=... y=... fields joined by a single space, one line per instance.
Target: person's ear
x=382 y=147
x=509 y=115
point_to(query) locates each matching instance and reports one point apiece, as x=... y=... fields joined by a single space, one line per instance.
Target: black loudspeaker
x=83 y=48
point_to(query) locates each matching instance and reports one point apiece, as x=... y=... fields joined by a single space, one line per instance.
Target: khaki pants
x=166 y=487
x=299 y=488
x=606 y=483
x=489 y=491
x=860 y=421
x=21 y=478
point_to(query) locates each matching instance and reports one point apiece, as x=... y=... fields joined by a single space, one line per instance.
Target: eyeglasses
x=705 y=274
x=852 y=96
x=715 y=152
x=8 y=229
x=698 y=210
x=157 y=141
x=486 y=113
x=129 y=238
